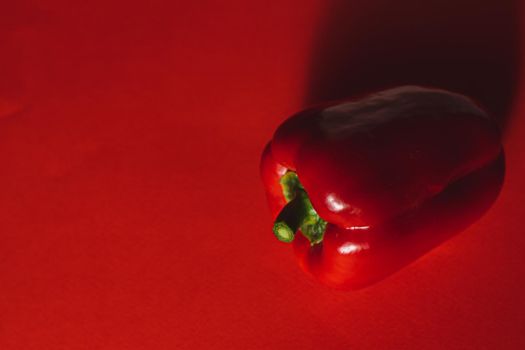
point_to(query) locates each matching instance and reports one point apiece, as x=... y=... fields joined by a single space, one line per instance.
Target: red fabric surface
x=132 y=214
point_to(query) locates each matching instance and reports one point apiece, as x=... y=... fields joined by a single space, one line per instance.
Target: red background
x=132 y=215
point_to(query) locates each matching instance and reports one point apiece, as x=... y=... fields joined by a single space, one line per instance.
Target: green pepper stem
x=290 y=219
x=298 y=213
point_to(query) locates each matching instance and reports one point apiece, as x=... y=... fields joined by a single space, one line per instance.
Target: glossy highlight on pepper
x=363 y=187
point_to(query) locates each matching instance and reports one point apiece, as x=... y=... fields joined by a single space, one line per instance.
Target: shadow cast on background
x=463 y=46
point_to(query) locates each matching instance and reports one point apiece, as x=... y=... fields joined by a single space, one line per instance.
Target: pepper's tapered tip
x=283 y=232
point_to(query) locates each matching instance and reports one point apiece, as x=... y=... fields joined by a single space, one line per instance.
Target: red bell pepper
x=373 y=184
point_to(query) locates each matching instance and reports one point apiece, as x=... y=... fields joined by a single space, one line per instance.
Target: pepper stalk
x=298 y=213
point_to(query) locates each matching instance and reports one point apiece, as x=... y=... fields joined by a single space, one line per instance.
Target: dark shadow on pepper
x=465 y=46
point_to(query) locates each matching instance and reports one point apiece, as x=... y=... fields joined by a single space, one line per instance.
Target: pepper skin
x=373 y=184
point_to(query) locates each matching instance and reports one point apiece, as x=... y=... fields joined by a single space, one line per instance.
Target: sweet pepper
x=362 y=187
